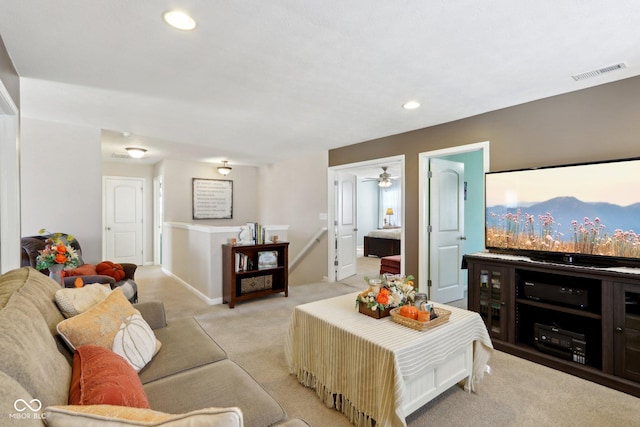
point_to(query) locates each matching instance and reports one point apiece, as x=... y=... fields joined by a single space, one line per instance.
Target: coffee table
x=376 y=369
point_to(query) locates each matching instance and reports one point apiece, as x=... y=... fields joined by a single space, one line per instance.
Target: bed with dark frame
x=382 y=242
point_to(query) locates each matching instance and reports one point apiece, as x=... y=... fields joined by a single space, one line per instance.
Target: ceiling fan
x=384 y=179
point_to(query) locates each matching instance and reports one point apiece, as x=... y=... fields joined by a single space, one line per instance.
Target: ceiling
x=259 y=81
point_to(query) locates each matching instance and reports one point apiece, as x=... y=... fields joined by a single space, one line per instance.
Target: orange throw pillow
x=83 y=270
x=100 y=376
x=108 y=268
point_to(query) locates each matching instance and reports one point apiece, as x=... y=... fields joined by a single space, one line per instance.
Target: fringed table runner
x=357 y=363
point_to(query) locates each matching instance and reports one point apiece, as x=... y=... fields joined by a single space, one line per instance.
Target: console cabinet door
x=626 y=337
x=490 y=292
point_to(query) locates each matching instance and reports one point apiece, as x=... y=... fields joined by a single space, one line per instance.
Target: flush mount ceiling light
x=411 y=105
x=225 y=169
x=136 y=153
x=178 y=19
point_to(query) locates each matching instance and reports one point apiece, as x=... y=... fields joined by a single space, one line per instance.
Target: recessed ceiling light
x=411 y=105
x=178 y=19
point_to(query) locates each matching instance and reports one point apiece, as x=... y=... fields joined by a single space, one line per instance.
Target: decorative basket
x=443 y=317
x=377 y=314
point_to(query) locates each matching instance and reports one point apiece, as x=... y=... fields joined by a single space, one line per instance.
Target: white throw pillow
x=120 y=416
x=73 y=301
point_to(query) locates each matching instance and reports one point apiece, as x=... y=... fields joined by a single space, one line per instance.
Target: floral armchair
x=32 y=245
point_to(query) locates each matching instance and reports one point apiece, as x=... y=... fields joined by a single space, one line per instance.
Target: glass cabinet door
x=492 y=301
x=627 y=332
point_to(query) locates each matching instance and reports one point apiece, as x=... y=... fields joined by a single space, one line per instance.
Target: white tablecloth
x=356 y=363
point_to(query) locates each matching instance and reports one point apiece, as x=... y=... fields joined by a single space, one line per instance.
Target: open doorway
x=451 y=218
x=374 y=207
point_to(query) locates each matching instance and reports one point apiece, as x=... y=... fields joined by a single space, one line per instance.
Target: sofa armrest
x=129 y=270
x=153 y=313
x=69 y=281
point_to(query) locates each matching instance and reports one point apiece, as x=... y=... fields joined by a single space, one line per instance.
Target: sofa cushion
x=13 y=395
x=220 y=384
x=30 y=355
x=35 y=288
x=100 y=376
x=114 y=324
x=185 y=345
x=119 y=416
x=73 y=301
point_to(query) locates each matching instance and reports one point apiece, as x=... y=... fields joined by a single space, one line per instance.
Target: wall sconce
x=136 y=153
x=225 y=169
x=389 y=213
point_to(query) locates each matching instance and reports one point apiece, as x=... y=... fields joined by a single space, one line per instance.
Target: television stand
x=578 y=319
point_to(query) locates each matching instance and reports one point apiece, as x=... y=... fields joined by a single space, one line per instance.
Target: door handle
x=462 y=238
x=618 y=329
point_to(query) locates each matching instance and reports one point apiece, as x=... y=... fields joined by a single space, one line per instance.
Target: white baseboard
x=210 y=301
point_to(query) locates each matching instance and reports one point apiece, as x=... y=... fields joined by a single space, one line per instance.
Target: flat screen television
x=586 y=214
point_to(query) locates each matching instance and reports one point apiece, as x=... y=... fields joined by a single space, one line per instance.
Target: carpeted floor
x=516 y=393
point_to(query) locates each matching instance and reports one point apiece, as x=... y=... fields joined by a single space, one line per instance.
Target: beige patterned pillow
x=121 y=416
x=115 y=324
x=73 y=301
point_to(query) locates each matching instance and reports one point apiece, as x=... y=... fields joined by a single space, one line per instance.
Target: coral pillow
x=108 y=268
x=100 y=376
x=83 y=270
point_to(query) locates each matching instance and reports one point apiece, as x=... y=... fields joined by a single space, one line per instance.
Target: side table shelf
x=254 y=271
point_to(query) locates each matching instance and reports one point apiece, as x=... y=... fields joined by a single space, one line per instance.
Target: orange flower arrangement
x=56 y=252
x=396 y=291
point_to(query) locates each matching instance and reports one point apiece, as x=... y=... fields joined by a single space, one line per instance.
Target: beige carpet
x=517 y=393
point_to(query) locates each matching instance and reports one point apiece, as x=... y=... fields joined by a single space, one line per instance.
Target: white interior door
x=123 y=219
x=346 y=226
x=446 y=239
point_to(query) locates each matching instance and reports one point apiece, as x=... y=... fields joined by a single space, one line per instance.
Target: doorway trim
x=332 y=203
x=423 y=199
x=10 y=213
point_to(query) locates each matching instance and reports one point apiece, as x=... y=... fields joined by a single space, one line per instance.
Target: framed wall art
x=212 y=198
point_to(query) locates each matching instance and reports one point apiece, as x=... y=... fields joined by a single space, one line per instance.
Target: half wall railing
x=314 y=240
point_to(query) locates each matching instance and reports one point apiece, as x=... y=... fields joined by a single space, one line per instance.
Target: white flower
x=396 y=298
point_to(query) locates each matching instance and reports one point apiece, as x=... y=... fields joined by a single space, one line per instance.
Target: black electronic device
x=561 y=343
x=556 y=294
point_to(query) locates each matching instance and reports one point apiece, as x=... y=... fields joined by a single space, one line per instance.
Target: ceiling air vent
x=121 y=155
x=594 y=73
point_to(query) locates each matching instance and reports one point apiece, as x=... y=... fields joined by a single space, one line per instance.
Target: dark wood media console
x=592 y=315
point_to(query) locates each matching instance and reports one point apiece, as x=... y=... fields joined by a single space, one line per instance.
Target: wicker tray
x=443 y=317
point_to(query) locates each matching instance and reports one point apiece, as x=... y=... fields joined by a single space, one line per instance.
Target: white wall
x=368 y=208
x=62 y=191
x=132 y=169
x=61 y=183
x=177 y=179
x=294 y=192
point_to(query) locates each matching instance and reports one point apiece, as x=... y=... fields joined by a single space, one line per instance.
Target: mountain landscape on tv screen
x=555 y=223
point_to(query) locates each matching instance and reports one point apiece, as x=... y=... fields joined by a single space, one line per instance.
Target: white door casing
x=346 y=226
x=446 y=239
x=158 y=219
x=123 y=219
